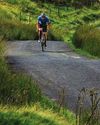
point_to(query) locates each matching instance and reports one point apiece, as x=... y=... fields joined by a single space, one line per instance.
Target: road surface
x=58 y=67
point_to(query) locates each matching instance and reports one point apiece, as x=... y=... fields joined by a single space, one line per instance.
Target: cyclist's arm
x=49 y=25
x=38 y=23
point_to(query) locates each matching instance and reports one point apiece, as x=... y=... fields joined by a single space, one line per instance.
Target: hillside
x=18 y=21
x=66 y=21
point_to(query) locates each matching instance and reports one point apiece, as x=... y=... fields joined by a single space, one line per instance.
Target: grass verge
x=33 y=115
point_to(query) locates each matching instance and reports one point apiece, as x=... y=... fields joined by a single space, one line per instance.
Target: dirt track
x=56 y=68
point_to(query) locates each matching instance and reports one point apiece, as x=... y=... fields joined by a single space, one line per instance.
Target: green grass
x=17 y=30
x=87 y=38
x=12 y=27
x=16 y=89
x=33 y=115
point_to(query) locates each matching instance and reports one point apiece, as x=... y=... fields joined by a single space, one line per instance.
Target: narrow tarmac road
x=58 y=67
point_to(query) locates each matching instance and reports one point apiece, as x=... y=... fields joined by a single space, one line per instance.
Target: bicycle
x=42 y=39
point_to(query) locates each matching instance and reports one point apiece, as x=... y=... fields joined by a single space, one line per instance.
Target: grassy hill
x=26 y=12
x=18 y=21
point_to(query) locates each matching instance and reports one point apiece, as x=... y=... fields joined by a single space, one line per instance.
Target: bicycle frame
x=42 y=38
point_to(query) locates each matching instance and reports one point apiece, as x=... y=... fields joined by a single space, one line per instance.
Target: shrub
x=87 y=38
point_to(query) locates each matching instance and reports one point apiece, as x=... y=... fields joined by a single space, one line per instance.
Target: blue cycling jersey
x=44 y=21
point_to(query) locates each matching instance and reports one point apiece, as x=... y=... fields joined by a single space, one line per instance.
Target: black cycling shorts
x=44 y=28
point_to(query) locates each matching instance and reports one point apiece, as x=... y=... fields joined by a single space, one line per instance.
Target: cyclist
x=43 y=25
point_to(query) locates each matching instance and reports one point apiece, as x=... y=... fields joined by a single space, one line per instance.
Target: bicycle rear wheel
x=43 y=42
x=42 y=45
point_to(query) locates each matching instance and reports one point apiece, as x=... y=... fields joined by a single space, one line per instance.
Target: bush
x=87 y=38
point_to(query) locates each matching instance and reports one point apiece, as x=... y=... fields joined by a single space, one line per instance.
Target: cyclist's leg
x=39 y=31
x=45 y=33
x=40 y=34
x=45 y=39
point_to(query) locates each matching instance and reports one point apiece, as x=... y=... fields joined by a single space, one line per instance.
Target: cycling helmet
x=43 y=15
